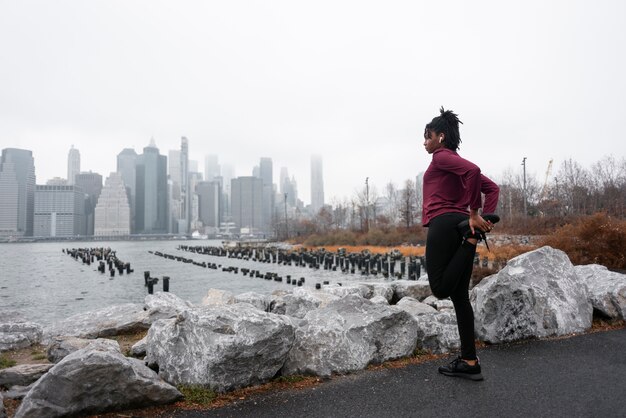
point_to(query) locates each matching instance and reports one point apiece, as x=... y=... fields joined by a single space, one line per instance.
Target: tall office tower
x=126 y=167
x=317 y=184
x=209 y=204
x=173 y=161
x=228 y=173
x=194 y=179
x=267 y=175
x=288 y=187
x=17 y=192
x=113 y=211
x=211 y=167
x=174 y=190
x=59 y=211
x=193 y=167
x=151 y=199
x=284 y=177
x=91 y=184
x=73 y=165
x=247 y=203
x=185 y=194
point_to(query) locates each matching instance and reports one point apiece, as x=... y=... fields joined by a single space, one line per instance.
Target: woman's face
x=432 y=141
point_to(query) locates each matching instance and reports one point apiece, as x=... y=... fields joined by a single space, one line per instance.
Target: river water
x=39 y=282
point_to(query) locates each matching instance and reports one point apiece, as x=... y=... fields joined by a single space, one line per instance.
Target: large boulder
x=163 y=305
x=222 y=347
x=537 y=294
x=301 y=301
x=114 y=320
x=16 y=335
x=22 y=374
x=3 y=411
x=139 y=348
x=95 y=380
x=218 y=297
x=437 y=331
x=347 y=335
x=61 y=347
x=257 y=300
x=419 y=290
x=607 y=289
x=342 y=291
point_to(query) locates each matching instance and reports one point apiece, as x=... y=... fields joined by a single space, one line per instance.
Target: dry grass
x=405 y=250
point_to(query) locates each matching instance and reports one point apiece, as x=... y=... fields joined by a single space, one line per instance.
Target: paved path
x=583 y=376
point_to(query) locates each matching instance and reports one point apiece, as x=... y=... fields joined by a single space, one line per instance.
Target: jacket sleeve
x=491 y=191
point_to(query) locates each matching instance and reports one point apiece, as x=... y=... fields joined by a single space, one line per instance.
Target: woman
x=451 y=186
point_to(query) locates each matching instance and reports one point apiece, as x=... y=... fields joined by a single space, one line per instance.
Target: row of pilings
x=106 y=257
x=390 y=265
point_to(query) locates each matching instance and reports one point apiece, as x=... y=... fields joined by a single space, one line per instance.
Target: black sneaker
x=459 y=368
x=466 y=232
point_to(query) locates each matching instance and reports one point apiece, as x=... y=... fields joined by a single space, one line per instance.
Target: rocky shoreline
x=234 y=341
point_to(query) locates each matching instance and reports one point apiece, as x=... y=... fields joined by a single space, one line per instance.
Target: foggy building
x=211 y=167
x=73 y=165
x=151 y=195
x=267 y=176
x=112 y=215
x=17 y=192
x=57 y=181
x=91 y=185
x=59 y=211
x=247 y=203
x=126 y=167
x=209 y=203
x=317 y=184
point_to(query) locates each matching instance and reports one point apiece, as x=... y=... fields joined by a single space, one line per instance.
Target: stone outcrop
x=218 y=297
x=60 y=347
x=257 y=300
x=223 y=347
x=537 y=294
x=22 y=374
x=16 y=335
x=347 y=335
x=139 y=348
x=94 y=380
x=3 y=412
x=419 y=290
x=437 y=331
x=607 y=289
x=439 y=304
x=301 y=301
x=114 y=320
x=163 y=305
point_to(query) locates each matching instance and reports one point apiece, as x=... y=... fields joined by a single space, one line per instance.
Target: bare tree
x=391 y=194
x=407 y=204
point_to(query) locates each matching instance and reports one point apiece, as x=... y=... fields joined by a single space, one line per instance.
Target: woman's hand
x=477 y=222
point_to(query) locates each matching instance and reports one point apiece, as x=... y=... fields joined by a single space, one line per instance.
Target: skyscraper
x=266 y=174
x=209 y=204
x=151 y=199
x=247 y=203
x=17 y=192
x=126 y=166
x=59 y=211
x=317 y=184
x=91 y=184
x=211 y=167
x=73 y=165
x=112 y=215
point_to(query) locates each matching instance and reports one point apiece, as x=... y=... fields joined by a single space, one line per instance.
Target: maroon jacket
x=453 y=184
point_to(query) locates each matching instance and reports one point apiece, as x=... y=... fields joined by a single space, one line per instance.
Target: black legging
x=449 y=263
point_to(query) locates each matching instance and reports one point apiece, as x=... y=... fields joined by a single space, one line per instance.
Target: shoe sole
x=475 y=377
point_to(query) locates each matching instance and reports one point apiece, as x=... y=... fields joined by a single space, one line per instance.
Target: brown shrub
x=595 y=239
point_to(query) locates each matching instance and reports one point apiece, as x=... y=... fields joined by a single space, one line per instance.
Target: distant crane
x=544 y=190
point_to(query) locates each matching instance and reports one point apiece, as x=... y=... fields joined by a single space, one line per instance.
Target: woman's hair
x=446 y=123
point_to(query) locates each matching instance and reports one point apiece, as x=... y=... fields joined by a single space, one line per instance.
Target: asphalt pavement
x=581 y=376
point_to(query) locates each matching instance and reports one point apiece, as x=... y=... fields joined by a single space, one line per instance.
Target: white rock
x=419 y=290
x=22 y=374
x=95 y=380
x=379 y=299
x=139 y=348
x=162 y=305
x=257 y=300
x=16 y=335
x=607 y=289
x=537 y=294
x=438 y=332
x=301 y=301
x=414 y=307
x=218 y=297
x=347 y=335
x=114 y=320
x=439 y=304
x=222 y=347
x=60 y=347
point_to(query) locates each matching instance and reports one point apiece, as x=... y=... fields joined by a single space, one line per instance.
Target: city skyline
x=352 y=81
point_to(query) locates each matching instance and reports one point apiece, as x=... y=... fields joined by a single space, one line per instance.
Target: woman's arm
x=491 y=192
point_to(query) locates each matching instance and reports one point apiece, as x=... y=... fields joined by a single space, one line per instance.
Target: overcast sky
x=354 y=81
